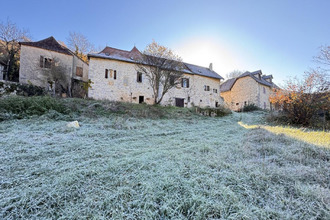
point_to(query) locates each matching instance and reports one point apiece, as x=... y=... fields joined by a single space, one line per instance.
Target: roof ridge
x=115 y=49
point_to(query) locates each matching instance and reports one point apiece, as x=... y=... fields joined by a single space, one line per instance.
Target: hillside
x=192 y=167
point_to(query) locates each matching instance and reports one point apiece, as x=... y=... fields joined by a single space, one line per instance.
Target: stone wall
x=196 y=93
x=264 y=93
x=77 y=62
x=126 y=88
x=31 y=72
x=13 y=88
x=247 y=91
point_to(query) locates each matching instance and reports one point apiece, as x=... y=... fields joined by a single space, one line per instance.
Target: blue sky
x=279 y=37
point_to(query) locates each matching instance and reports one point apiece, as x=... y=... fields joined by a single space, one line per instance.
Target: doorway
x=141 y=99
x=179 y=102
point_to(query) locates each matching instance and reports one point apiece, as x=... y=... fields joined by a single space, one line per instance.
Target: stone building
x=115 y=77
x=248 y=88
x=51 y=65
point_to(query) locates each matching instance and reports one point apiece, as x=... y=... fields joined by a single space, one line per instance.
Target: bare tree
x=162 y=68
x=234 y=74
x=10 y=36
x=324 y=56
x=79 y=43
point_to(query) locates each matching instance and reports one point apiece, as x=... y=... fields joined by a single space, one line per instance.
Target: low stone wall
x=14 y=88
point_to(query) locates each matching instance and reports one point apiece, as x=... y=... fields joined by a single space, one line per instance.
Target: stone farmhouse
x=51 y=65
x=115 y=77
x=248 y=88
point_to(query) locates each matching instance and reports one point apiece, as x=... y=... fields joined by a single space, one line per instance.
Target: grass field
x=135 y=168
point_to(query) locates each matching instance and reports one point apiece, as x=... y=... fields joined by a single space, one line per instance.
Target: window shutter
x=106 y=73
x=187 y=83
x=115 y=74
x=41 y=61
x=181 y=82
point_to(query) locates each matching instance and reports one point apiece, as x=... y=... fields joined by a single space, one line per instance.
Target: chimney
x=211 y=67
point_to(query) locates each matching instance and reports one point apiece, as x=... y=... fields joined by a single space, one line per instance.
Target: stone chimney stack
x=211 y=66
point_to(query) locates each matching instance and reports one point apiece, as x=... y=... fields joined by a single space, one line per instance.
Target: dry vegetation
x=124 y=167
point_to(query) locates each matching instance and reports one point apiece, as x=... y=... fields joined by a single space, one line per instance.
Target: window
x=106 y=73
x=139 y=77
x=245 y=103
x=215 y=90
x=185 y=83
x=264 y=90
x=237 y=103
x=45 y=62
x=206 y=88
x=79 y=71
x=115 y=74
x=216 y=104
x=188 y=98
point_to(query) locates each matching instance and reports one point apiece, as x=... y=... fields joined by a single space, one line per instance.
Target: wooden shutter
x=187 y=83
x=106 y=73
x=79 y=71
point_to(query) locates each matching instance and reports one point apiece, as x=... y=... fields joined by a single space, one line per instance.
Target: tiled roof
x=134 y=56
x=49 y=44
x=203 y=71
x=227 y=85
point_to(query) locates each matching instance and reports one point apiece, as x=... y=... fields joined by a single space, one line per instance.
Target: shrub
x=20 y=107
x=219 y=111
x=302 y=102
x=249 y=108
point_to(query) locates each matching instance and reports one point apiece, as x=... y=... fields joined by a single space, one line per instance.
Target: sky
x=279 y=37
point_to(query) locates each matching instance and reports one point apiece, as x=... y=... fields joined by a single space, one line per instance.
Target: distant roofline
x=249 y=74
x=99 y=55
x=69 y=52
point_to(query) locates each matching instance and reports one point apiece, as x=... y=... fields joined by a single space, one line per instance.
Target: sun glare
x=203 y=51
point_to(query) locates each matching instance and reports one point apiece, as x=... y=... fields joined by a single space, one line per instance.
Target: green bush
x=219 y=111
x=20 y=107
x=249 y=108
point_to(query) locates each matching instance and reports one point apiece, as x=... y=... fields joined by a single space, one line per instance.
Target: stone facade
x=126 y=87
x=246 y=90
x=33 y=72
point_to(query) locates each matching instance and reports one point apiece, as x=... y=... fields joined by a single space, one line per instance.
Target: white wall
x=126 y=88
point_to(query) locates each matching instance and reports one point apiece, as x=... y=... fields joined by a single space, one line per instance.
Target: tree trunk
x=7 y=70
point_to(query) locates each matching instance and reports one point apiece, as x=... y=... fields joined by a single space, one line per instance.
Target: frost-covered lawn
x=191 y=168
